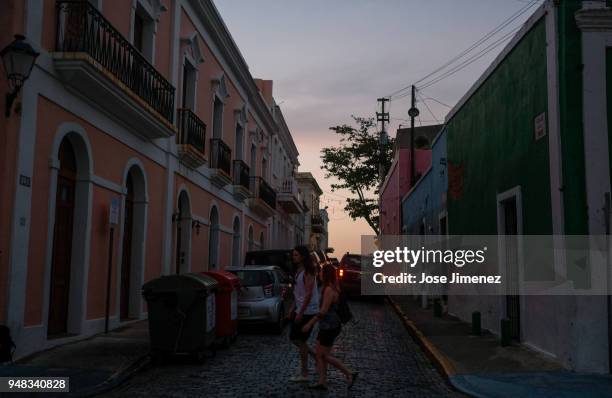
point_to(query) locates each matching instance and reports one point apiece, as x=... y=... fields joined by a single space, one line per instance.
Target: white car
x=266 y=295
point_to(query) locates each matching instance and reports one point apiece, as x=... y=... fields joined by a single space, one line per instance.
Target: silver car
x=266 y=294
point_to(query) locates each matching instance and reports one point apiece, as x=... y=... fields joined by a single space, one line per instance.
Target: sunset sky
x=332 y=59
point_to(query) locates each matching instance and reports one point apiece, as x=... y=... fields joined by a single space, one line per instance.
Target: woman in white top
x=305 y=306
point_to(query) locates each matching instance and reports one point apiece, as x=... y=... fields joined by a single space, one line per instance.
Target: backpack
x=344 y=311
x=7 y=345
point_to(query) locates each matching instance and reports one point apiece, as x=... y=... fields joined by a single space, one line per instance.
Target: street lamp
x=18 y=59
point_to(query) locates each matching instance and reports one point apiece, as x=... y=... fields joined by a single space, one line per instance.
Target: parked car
x=265 y=296
x=334 y=261
x=349 y=274
x=280 y=258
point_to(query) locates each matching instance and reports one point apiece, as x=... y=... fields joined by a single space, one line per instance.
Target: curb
x=117 y=378
x=441 y=362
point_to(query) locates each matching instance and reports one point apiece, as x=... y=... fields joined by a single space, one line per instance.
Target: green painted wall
x=570 y=107
x=492 y=137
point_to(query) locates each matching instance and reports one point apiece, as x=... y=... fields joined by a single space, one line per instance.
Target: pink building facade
x=140 y=121
x=397 y=184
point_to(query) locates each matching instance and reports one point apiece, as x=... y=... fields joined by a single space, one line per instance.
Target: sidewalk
x=479 y=366
x=93 y=365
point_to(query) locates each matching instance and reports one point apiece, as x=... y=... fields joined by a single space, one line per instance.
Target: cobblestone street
x=389 y=362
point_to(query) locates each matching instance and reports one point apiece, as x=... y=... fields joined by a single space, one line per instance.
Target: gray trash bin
x=181 y=314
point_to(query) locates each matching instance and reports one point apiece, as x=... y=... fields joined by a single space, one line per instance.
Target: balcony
x=191 y=139
x=96 y=62
x=316 y=224
x=220 y=163
x=263 y=197
x=241 y=181
x=288 y=197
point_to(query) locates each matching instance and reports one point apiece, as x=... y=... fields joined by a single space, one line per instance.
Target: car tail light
x=283 y=291
x=268 y=290
x=341 y=273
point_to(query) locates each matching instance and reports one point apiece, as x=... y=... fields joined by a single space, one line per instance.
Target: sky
x=330 y=59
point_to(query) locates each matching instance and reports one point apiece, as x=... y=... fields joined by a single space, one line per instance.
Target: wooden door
x=180 y=254
x=126 y=261
x=62 y=242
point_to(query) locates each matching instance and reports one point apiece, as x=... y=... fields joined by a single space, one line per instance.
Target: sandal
x=318 y=386
x=353 y=378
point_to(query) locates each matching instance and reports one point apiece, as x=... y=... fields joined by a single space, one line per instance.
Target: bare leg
x=299 y=345
x=321 y=364
x=304 y=358
x=336 y=363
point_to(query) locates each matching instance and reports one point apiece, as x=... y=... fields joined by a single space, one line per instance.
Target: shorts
x=326 y=337
x=296 y=332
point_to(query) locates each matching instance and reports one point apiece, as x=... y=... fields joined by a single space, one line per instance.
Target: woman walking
x=329 y=329
x=305 y=306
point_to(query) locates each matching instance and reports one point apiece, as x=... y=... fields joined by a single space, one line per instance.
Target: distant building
x=397 y=181
x=424 y=206
x=315 y=227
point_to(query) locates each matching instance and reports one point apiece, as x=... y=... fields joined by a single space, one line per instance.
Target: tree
x=355 y=164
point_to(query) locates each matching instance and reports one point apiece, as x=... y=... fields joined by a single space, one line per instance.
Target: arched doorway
x=133 y=245
x=236 y=242
x=62 y=240
x=213 y=239
x=251 y=239
x=183 y=234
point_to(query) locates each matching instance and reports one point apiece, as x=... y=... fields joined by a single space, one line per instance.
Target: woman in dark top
x=329 y=329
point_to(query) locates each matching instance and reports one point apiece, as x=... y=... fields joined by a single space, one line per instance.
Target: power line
x=482 y=40
x=429 y=97
x=471 y=60
x=428 y=108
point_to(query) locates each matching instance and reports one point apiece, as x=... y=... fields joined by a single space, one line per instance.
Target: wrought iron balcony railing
x=220 y=156
x=289 y=186
x=241 y=174
x=316 y=219
x=263 y=191
x=192 y=130
x=81 y=28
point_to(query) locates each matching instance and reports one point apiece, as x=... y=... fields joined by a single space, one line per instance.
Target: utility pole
x=413 y=112
x=382 y=117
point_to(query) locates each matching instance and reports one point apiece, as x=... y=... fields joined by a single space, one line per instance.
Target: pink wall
x=398 y=185
x=109 y=159
x=11 y=22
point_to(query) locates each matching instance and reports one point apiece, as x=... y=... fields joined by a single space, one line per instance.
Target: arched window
x=213 y=239
x=261 y=241
x=236 y=242
x=251 y=239
x=183 y=234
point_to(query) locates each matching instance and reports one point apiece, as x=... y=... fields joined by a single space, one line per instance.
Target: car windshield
x=352 y=262
x=254 y=277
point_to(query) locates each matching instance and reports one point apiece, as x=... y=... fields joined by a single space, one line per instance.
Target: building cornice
x=219 y=32
x=594 y=19
x=285 y=136
x=306 y=177
x=526 y=28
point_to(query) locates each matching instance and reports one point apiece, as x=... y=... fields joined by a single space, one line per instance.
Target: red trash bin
x=227 y=304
